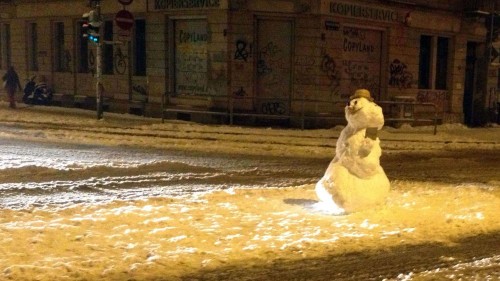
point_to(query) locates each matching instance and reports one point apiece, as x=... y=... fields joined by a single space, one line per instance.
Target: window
x=32 y=47
x=4 y=46
x=107 y=49
x=60 y=62
x=140 y=48
x=442 y=63
x=433 y=62
x=83 y=50
x=190 y=56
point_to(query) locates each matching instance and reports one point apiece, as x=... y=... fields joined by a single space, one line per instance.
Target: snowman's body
x=354 y=180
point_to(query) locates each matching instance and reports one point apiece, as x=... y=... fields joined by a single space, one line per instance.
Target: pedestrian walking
x=10 y=84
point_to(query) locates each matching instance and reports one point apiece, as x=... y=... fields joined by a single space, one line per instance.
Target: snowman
x=354 y=180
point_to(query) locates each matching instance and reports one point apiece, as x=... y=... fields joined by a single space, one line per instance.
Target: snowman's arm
x=371 y=133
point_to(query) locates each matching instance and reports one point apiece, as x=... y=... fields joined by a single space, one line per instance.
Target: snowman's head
x=361 y=112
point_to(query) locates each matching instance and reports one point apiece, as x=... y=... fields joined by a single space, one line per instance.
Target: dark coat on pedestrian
x=11 y=83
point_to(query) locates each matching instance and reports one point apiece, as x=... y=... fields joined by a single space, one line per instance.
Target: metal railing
x=205 y=106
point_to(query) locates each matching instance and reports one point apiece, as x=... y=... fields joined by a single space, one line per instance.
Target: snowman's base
x=327 y=209
x=349 y=193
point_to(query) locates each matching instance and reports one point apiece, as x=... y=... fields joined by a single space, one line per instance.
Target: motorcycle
x=37 y=93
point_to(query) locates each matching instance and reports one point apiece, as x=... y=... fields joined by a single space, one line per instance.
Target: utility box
x=404 y=109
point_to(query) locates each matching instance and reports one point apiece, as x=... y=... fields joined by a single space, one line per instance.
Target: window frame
x=82 y=50
x=32 y=46
x=434 y=62
x=136 y=51
x=5 y=48
x=59 y=57
x=107 y=49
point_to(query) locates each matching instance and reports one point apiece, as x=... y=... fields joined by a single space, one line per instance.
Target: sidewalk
x=78 y=125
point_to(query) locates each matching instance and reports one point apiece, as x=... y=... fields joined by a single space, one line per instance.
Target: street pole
x=99 y=87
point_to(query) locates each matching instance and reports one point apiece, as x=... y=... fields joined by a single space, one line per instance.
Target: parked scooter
x=37 y=93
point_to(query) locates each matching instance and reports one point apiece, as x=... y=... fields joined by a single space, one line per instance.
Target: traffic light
x=90 y=26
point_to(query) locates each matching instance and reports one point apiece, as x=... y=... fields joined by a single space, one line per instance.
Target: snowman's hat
x=361 y=93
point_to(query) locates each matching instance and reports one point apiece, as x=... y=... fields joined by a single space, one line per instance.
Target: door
x=274 y=66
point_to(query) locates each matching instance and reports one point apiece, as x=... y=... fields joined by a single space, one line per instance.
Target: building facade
x=269 y=57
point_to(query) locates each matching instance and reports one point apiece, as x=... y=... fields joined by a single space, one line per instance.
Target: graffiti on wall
x=360 y=64
x=91 y=61
x=263 y=68
x=120 y=62
x=304 y=71
x=270 y=57
x=192 y=58
x=242 y=52
x=360 y=75
x=271 y=68
x=400 y=34
x=239 y=92
x=438 y=97
x=329 y=67
x=400 y=77
x=67 y=61
x=355 y=40
x=217 y=76
x=139 y=89
x=274 y=107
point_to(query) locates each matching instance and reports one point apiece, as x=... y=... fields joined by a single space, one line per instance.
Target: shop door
x=361 y=64
x=274 y=67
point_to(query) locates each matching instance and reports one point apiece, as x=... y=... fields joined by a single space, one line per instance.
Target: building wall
x=335 y=47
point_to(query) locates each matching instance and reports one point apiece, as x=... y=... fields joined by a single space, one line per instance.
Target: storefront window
x=107 y=49
x=83 y=51
x=4 y=46
x=442 y=63
x=32 y=46
x=191 y=38
x=140 y=48
x=433 y=62
x=59 y=57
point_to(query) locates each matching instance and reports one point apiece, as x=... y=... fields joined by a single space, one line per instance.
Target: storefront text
x=352 y=10
x=185 y=4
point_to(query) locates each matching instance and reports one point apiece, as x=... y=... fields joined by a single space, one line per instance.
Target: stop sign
x=125 y=2
x=124 y=19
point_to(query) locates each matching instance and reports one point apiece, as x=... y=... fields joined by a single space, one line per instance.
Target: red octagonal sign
x=125 y=2
x=124 y=19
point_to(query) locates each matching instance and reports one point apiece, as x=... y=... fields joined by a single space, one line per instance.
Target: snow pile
x=172 y=238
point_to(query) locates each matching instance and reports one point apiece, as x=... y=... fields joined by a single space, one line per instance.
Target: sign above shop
x=363 y=12
x=332 y=25
x=159 y=5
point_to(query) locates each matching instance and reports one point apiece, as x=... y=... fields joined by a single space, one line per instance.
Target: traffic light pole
x=99 y=87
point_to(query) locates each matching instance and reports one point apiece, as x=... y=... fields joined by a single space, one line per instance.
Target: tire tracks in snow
x=268 y=138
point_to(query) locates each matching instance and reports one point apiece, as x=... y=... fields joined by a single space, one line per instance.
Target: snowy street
x=131 y=198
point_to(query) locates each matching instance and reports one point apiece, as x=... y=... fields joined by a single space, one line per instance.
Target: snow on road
x=440 y=220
